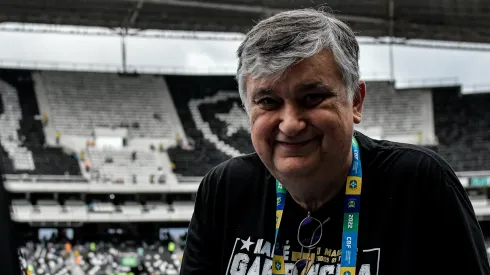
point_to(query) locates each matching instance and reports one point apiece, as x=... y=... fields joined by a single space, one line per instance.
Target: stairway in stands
x=47 y=160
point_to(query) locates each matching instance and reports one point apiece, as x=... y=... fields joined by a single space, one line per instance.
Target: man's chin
x=294 y=166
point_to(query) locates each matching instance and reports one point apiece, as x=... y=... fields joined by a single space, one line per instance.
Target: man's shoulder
x=401 y=158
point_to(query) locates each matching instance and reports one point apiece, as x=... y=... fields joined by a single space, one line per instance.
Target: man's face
x=302 y=122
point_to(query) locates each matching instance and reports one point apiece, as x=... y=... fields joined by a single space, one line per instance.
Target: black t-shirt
x=415 y=218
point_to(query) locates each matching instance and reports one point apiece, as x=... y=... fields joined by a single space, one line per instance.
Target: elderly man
x=318 y=197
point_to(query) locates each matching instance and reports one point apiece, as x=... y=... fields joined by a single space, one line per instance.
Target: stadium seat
x=78 y=101
x=22 y=140
x=402 y=115
x=462 y=124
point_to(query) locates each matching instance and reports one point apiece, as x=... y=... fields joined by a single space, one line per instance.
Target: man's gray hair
x=287 y=38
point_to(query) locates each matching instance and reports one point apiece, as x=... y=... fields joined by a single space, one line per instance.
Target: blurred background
x=112 y=111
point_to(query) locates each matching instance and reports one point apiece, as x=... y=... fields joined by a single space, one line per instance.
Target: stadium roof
x=448 y=20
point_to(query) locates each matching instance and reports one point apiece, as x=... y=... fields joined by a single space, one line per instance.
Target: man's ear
x=358 y=101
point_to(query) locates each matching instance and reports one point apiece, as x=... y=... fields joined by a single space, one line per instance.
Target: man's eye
x=267 y=103
x=313 y=99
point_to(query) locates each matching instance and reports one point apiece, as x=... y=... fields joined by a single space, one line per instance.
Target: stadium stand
x=178 y=128
x=119 y=166
x=9 y=122
x=23 y=145
x=46 y=258
x=210 y=111
x=78 y=102
x=207 y=107
x=101 y=250
x=87 y=107
x=78 y=208
x=214 y=122
x=399 y=115
x=462 y=125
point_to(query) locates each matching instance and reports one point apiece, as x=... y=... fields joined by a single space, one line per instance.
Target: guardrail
x=184 y=179
x=376 y=76
x=45 y=178
x=70 y=187
x=184 y=185
x=427 y=82
x=473 y=173
x=116 y=68
x=87 y=217
x=477 y=88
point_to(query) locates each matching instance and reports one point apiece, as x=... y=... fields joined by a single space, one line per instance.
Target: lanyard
x=351 y=218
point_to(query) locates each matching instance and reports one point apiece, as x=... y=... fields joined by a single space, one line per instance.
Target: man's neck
x=326 y=191
x=317 y=200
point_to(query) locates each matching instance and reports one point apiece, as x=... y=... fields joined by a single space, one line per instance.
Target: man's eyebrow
x=301 y=88
x=259 y=92
x=309 y=86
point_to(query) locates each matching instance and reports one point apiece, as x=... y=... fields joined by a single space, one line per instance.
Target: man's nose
x=292 y=121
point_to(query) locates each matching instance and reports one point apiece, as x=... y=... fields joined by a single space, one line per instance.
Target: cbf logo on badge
x=278 y=265
x=354 y=186
x=347 y=271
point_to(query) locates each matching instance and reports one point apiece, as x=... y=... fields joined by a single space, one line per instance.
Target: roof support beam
x=255 y=9
x=134 y=14
x=391 y=34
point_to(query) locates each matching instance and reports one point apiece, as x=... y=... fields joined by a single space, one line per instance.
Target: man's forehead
x=318 y=68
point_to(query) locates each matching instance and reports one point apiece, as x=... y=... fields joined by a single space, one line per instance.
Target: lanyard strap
x=352 y=207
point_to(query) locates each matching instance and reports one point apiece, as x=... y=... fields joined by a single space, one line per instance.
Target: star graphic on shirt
x=246 y=244
x=236 y=119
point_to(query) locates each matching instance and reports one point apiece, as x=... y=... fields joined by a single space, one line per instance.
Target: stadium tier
x=22 y=138
x=85 y=208
x=463 y=128
x=102 y=249
x=106 y=258
x=132 y=129
x=101 y=132
x=92 y=151
x=79 y=102
x=398 y=115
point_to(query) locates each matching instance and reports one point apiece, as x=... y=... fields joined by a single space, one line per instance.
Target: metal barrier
x=45 y=178
x=116 y=68
x=183 y=179
x=477 y=88
x=427 y=82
